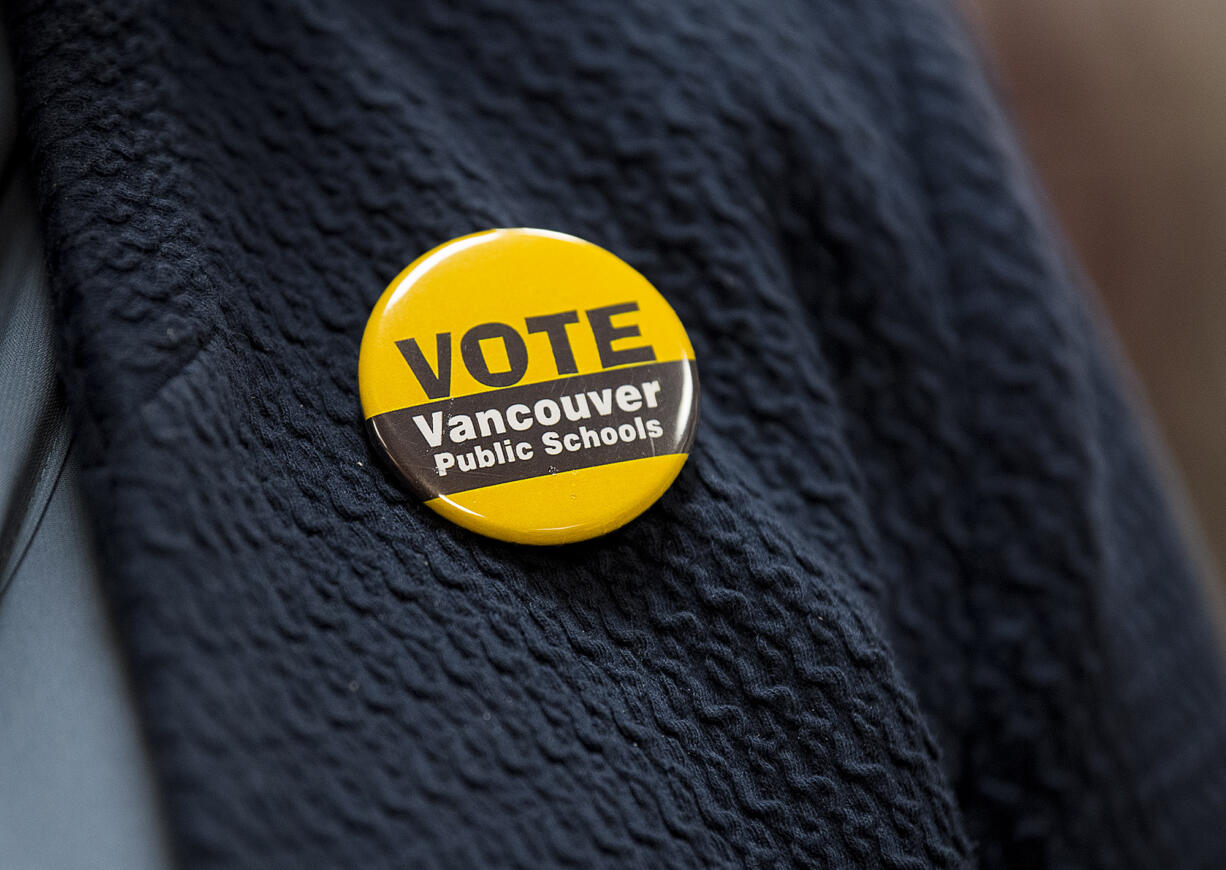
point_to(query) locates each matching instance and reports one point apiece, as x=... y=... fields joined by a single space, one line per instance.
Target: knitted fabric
x=915 y=601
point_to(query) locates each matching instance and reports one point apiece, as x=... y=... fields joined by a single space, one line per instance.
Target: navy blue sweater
x=915 y=601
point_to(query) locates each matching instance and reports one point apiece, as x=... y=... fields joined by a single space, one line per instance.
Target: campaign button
x=529 y=386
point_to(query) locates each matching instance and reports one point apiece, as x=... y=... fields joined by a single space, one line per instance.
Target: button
x=529 y=386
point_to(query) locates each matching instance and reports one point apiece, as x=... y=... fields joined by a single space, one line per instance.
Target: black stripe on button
x=409 y=450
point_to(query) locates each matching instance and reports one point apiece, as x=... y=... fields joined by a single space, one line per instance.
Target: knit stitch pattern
x=915 y=601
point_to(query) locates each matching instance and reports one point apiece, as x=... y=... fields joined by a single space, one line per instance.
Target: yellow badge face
x=529 y=385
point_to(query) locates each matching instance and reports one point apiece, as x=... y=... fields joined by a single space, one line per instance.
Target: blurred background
x=1122 y=107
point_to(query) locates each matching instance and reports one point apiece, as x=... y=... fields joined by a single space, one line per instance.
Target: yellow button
x=529 y=385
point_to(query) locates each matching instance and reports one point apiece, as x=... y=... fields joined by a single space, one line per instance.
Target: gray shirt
x=77 y=788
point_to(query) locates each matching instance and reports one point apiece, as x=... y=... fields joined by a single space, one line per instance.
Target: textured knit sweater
x=915 y=601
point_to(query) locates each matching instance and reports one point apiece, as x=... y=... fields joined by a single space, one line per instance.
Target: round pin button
x=529 y=386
